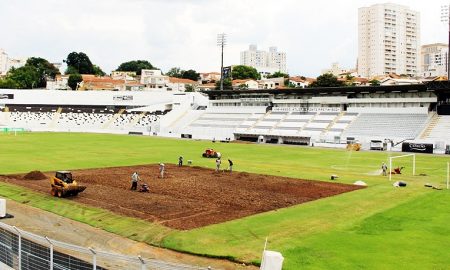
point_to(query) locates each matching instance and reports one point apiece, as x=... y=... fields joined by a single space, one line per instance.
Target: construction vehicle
x=64 y=185
x=211 y=153
x=354 y=146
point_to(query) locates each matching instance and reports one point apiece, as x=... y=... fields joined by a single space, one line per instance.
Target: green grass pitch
x=380 y=227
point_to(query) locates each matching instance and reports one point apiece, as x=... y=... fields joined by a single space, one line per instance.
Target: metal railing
x=22 y=250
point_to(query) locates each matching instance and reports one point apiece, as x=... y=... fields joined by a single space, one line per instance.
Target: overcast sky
x=183 y=33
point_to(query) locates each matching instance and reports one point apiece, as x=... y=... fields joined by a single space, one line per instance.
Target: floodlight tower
x=221 y=41
x=445 y=18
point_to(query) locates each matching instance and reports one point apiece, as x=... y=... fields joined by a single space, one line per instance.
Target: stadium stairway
x=136 y=120
x=431 y=125
x=113 y=119
x=259 y=120
x=178 y=119
x=327 y=129
x=438 y=130
x=56 y=118
x=280 y=121
x=307 y=123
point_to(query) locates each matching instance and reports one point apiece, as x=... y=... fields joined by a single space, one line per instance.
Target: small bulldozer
x=211 y=153
x=63 y=185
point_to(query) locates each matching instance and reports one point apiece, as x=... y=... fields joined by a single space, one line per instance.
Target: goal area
x=413 y=161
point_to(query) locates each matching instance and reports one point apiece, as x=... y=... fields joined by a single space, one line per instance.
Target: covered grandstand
x=329 y=117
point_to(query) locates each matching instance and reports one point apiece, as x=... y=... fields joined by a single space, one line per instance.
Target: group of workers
x=219 y=162
x=162 y=168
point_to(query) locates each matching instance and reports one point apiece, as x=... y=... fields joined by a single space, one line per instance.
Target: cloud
x=183 y=33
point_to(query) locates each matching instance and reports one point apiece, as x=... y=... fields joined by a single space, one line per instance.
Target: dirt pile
x=34 y=175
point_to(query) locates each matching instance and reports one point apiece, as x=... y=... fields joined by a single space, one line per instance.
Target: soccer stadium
x=300 y=174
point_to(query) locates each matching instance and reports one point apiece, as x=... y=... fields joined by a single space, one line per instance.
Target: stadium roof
x=439 y=87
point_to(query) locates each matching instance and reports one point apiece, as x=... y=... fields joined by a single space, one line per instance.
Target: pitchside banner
x=417 y=147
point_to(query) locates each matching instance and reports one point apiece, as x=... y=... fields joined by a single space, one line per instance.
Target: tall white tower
x=388 y=40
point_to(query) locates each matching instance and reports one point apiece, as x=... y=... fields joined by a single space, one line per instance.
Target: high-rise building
x=3 y=62
x=265 y=62
x=388 y=42
x=6 y=63
x=433 y=60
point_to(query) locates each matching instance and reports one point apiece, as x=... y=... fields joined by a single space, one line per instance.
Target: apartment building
x=153 y=78
x=388 y=40
x=264 y=61
x=433 y=60
x=3 y=62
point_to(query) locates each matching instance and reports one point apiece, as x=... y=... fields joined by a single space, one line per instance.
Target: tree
x=98 y=71
x=242 y=87
x=24 y=77
x=327 y=80
x=136 y=66
x=44 y=68
x=73 y=80
x=278 y=74
x=227 y=84
x=191 y=75
x=245 y=72
x=175 y=72
x=8 y=83
x=374 y=82
x=189 y=88
x=79 y=63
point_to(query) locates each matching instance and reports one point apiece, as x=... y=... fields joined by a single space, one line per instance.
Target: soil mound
x=34 y=175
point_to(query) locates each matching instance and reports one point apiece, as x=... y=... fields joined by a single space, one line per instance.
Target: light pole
x=445 y=18
x=221 y=41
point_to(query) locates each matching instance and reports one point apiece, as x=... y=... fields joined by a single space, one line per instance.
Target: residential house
x=247 y=83
x=272 y=83
x=299 y=82
x=153 y=78
x=209 y=77
x=59 y=83
x=180 y=85
x=92 y=82
x=124 y=75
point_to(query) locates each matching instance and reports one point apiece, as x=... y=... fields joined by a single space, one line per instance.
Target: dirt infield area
x=187 y=197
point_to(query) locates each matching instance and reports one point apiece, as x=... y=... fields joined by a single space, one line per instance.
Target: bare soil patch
x=189 y=197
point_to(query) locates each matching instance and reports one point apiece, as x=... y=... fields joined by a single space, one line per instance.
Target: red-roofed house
x=210 y=77
x=299 y=82
x=249 y=84
x=92 y=82
x=181 y=85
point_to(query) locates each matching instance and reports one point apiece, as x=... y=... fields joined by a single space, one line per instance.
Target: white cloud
x=183 y=33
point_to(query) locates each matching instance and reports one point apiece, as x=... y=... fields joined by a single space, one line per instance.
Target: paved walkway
x=62 y=229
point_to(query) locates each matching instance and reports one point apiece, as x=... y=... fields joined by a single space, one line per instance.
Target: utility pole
x=221 y=41
x=445 y=18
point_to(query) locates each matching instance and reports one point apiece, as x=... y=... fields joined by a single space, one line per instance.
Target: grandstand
x=93 y=111
x=331 y=116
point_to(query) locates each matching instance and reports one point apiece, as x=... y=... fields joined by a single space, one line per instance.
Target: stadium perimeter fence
x=22 y=250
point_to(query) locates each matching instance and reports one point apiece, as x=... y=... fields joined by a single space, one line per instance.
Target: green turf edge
x=149 y=232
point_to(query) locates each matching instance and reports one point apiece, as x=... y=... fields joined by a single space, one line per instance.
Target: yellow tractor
x=63 y=185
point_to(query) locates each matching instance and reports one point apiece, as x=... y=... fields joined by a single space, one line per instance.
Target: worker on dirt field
x=134 y=180
x=180 y=161
x=162 y=168
x=230 y=165
x=218 y=162
x=384 y=168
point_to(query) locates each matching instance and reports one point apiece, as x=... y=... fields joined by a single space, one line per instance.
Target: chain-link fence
x=22 y=250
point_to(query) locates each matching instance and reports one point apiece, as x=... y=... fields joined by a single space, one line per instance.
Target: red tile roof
x=180 y=80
